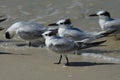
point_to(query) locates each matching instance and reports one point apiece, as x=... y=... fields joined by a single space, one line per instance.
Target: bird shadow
x=98 y=51
x=21 y=45
x=24 y=44
x=82 y=64
x=5 y=53
x=8 y=53
x=32 y=45
x=8 y=41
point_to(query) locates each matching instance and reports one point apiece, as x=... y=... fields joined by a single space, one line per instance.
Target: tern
x=64 y=46
x=67 y=30
x=28 y=31
x=106 y=22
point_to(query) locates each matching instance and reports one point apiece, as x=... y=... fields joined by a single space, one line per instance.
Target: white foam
x=103 y=57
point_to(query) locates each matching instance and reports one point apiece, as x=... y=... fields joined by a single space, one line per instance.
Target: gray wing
x=30 y=30
x=63 y=46
x=98 y=35
x=30 y=34
x=113 y=24
x=33 y=26
x=75 y=35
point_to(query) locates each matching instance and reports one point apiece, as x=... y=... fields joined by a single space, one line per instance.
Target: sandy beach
x=35 y=63
x=19 y=65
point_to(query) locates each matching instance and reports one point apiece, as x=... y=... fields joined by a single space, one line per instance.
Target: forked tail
x=89 y=45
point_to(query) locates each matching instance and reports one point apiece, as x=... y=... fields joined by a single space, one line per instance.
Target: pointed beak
x=92 y=15
x=1 y=28
x=2 y=18
x=53 y=24
x=42 y=34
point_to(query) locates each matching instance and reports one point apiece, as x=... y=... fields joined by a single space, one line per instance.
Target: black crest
x=67 y=21
x=106 y=13
x=52 y=34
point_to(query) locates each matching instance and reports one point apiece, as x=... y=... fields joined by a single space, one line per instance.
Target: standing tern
x=26 y=30
x=106 y=22
x=63 y=46
x=76 y=34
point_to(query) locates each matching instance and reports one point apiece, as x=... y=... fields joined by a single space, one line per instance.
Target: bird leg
x=67 y=60
x=29 y=44
x=59 y=60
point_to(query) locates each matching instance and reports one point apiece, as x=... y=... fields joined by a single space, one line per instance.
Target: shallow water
x=49 y=11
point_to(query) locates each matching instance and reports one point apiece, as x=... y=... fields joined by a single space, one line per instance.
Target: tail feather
x=88 y=45
x=99 y=35
x=105 y=33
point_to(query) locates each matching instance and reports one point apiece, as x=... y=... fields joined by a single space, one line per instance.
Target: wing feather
x=62 y=46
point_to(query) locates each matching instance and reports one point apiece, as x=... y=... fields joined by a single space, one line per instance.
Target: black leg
x=29 y=44
x=59 y=60
x=67 y=60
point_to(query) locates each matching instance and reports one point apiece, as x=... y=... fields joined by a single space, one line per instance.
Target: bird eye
x=102 y=14
x=46 y=34
x=61 y=23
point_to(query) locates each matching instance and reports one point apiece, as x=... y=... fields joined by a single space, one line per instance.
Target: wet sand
x=39 y=64
x=35 y=63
